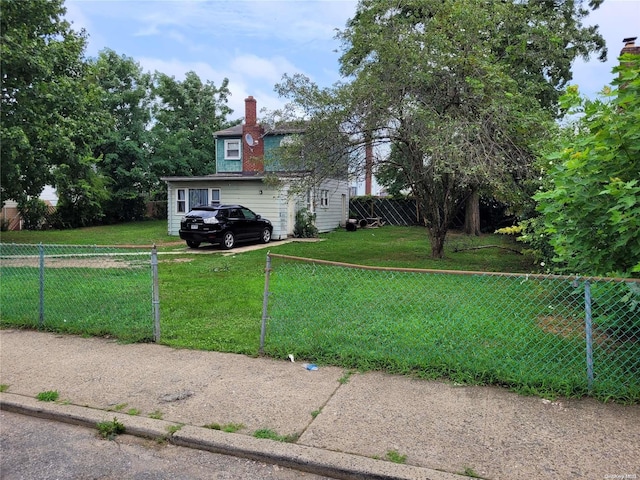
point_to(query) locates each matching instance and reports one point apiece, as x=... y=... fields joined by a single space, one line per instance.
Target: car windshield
x=202 y=213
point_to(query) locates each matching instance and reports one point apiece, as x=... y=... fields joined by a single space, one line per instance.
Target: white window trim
x=226 y=149
x=219 y=195
x=324 y=198
x=183 y=201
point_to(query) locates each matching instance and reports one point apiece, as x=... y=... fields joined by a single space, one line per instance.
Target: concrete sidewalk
x=347 y=424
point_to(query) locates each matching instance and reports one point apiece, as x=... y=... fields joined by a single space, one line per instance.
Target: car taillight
x=211 y=220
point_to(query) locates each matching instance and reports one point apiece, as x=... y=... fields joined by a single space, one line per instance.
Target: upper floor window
x=232 y=149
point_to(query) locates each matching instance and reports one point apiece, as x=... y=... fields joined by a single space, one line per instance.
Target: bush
x=34 y=213
x=616 y=309
x=305 y=224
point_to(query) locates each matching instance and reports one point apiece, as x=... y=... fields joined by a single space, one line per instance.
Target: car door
x=252 y=224
x=238 y=223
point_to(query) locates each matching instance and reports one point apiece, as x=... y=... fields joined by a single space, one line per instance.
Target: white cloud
x=268 y=69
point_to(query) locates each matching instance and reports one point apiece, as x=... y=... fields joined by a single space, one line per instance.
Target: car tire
x=266 y=235
x=228 y=240
x=193 y=244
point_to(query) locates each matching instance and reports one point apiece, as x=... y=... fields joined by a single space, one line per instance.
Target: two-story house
x=240 y=177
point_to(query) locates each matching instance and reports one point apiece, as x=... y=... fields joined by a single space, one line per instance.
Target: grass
x=395 y=457
x=229 y=321
x=135 y=233
x=228 y=427
x=4 y=387
x=469 y=329
x=272 y=435
x=48 y=396
x=469 y=472
x=111 y=428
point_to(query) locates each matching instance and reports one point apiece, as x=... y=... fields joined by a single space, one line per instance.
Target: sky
x=254 y=43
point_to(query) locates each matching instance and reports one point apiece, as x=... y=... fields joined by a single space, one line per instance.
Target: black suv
x=224 y=225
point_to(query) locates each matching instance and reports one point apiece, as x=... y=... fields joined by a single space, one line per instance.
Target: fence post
x=155 y=302
x=265 y=303
x=589 y=334
x=41 y=319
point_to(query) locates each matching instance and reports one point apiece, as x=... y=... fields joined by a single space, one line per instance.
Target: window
x=248 y=214
x=324 y=198
x=181 y=204
x=232 y=149
x=215 y=195
x=198 y=196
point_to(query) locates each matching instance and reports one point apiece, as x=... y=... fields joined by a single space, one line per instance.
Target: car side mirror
x=258 y=217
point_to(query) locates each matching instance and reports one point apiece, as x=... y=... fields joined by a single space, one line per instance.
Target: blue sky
x=254 y=42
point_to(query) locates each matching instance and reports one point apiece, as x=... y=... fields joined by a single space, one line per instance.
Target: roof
x=282 y=129
x=213 y=206
x=236 y=177
x=235 y=131
x=217 y=176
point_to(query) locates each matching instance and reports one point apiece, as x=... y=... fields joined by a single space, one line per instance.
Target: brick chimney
x=252 y=155
x=630 y=46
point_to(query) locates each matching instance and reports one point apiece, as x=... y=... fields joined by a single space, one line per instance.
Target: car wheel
x=193 y=244
x=266 y=235
x=228 y=240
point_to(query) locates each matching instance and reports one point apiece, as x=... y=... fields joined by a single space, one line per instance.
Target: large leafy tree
x=186 y=114
x=124 y=147
x=51 y=113
x=591 y=207
x=533 y=42
x=425 y=79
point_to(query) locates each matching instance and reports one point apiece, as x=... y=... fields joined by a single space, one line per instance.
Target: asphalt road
x=33 y=448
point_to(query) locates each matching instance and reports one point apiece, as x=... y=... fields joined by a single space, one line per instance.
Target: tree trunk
x=437 y=244
x=472 y=213
x=437 y=238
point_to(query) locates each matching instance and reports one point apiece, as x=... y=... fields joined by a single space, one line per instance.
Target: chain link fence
x=88 y=290
x=539 y=334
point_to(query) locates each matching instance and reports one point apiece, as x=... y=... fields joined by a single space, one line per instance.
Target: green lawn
x=136 y=233
x=214 y=302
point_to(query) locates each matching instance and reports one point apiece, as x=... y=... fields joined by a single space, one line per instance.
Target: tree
x=591 y=210
x=426 y=82
x=536 y=41
x=124 y=148
x=186 y=115
x=51 y=113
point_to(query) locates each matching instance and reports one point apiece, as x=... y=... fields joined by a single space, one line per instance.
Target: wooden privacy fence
x=390 y=211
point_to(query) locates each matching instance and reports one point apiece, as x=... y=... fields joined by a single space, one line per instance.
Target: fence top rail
x=449 y=272
x=69 y=245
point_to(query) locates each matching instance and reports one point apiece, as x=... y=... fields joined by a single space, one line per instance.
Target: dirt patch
x=570 y=327
x=74 y=262
x=177 y=260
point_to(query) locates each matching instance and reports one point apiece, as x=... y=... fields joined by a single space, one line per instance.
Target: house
x=241 y=174
x=10 y=217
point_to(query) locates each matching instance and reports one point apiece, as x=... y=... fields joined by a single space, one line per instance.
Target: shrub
x=305 y=224
x=34 y=213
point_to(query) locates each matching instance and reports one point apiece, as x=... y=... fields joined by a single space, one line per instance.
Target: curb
x=299 y=457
